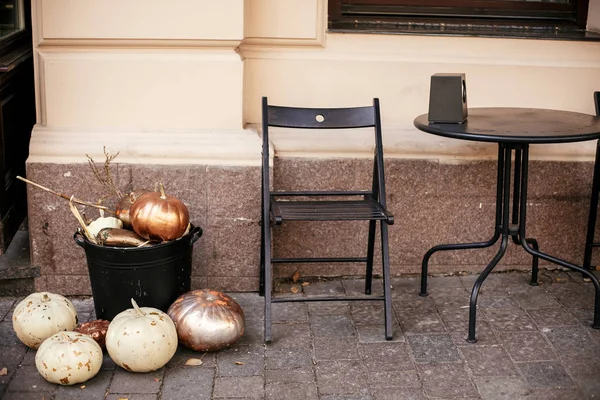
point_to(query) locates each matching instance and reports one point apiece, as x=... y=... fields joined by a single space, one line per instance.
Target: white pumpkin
x=141 y=339
x=103 y=222
x=41 y=315
x=67 y=358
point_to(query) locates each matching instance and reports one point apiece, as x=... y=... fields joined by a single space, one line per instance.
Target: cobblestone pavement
x=533 y=343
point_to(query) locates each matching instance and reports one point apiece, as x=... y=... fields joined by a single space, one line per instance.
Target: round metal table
x=513 y=129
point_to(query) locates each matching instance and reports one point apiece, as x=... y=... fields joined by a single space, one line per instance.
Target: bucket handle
x=79 y=238
x=195 y=234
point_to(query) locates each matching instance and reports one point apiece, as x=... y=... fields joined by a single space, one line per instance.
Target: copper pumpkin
x=123 y=206
x=96 y=329
x=207 y=320
x=158 y=216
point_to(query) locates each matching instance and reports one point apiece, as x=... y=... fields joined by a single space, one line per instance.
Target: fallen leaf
x=305 y=283
x=193 y=362
x=3 y=371
x=156 y=379
x=294 y=289
x=123 y=398
x=82 y=386
x=296 y=276
x=239 y=363
x=587 y=280
x=559 y=280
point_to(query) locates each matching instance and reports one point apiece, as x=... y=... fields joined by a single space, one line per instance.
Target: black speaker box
x=448 y=98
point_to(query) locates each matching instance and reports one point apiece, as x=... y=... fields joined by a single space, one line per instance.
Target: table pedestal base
x=512 y=226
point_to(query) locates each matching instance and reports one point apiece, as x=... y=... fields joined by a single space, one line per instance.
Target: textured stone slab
x=341 y=377
x=12 y=355
x=290 y=335
x=527 y=346
x=398 y=393
x=391 y=377
x=555 y=316
x=376 y=334
x=299 y=375
x=131 y=382
x=385 y=356
x=130 y=396
x=293 y=357
x=433 y=348
x=248 y=386
x=488 y=361
x=183 y=383
x=446 y=380
x=291 y=391
x=509 y=320
x=94 y=388
x=546 y=374
x=502 y=388
x=336 y=348
x=27 y=379
x=289 y=312
x=241 y=361
x=332 y=326
x=421 y=321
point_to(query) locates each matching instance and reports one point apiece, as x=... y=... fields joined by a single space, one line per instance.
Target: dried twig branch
x=75 y=212
x=105 y=176
x=64 y=196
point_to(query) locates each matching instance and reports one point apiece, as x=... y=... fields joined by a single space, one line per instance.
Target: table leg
x=535 y=251
x=475 y=245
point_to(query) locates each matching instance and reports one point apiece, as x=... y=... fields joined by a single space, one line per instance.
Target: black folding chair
x=591 y=227
x=368 y=205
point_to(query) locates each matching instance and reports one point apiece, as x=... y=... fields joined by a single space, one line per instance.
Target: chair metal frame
x=280 y=206
x=591 y=227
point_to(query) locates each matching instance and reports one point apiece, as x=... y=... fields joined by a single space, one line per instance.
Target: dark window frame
x=463 y=17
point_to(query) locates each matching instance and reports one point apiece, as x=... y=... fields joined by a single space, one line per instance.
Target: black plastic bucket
x=154 y=276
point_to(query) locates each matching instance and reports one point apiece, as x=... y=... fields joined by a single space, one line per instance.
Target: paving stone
x=502 y=388
x=241 y=361
x=107 y=362
x=433 y=348
x=328 y=307
x=27 y=379
x=10 y=371
x=247 y=386
x=294 y=357
x=545 y=374
x=183 y=383
x=398 y=393
x=130 y=396
x=28 y=396
x=290 y=335
x=571 y=340
x=402 y=302
x=289 y=312
x=12 y=355
x=376 y=334
x=183 y=354
x=406 y=283
x=7 y=335
x=353 y=396
x=94 y=388
x=393 y=378
x=534 y=297
x=326 y=288
x=29 y=357
x=483 y=334
x=514 y=278
x=493 y=281
x=297 y=375
x=291 y=391
x=336 y=348
x=558 y=394
x=332 y=326
x=385 y=356
x=574 y=296
x=356 y=287
x=449 y=296
x=254 y=329
x=509 y=320
x=496 y=300
x=369 y=315
x=555 y=316
x=438 y=282
x=135 y=382
x=415 y=321
x=488 y=361
x=341 y=377
x=83 y=304
x=527 y=346
x=446 y=380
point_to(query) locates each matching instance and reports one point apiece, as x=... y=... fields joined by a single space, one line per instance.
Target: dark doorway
x=17 y=113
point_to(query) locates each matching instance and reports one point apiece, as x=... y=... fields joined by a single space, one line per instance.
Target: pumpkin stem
x=162 y=191
x=45 y=297
x=137 y=308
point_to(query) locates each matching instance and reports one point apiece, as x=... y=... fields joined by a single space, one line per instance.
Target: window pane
x=10 y=17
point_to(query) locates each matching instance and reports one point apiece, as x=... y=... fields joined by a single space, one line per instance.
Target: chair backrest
x=327 y=118
x=597 y=102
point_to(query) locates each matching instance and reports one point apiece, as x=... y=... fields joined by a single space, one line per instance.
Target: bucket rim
x=192 y=236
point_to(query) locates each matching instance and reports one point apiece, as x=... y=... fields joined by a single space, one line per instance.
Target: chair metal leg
x=591 y=226
x=387 y=291
x=268 y=280
x=370 y=252
x=261 y=285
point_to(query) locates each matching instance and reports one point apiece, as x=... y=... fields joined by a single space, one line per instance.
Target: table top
x=517 y=125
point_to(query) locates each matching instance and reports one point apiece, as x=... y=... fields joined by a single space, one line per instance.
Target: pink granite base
x=433 y=203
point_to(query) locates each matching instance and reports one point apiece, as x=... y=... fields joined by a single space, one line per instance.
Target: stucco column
x=162 y=84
